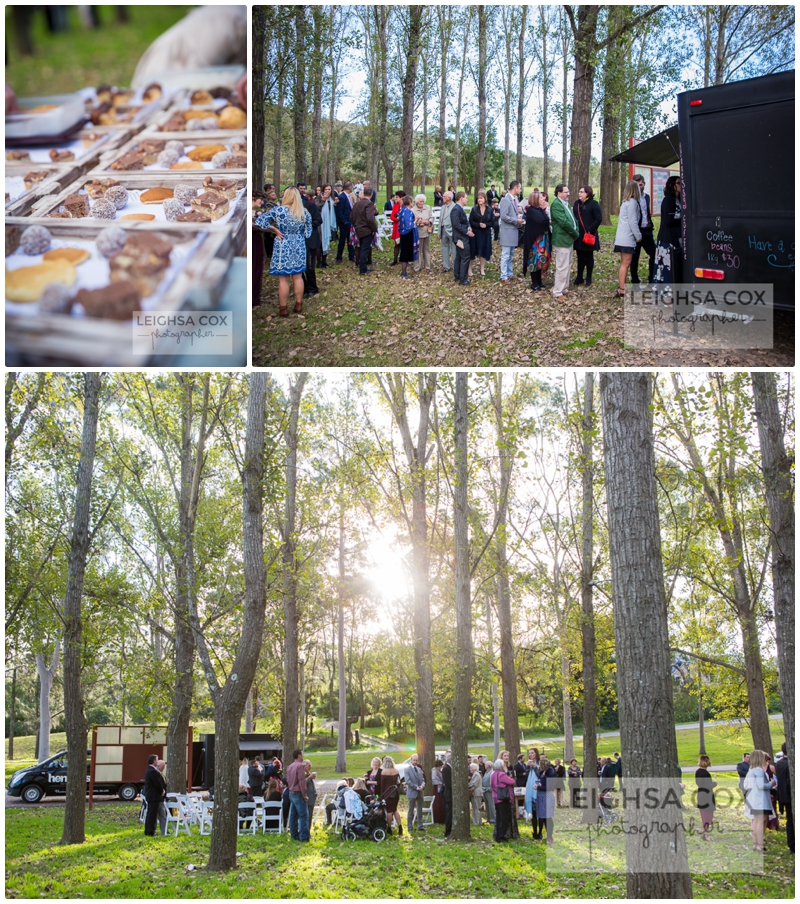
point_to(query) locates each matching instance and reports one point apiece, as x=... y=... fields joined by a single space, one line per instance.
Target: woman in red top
x=397 y=200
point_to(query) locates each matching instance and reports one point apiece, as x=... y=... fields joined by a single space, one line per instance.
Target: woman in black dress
x=437 y=196
x=589 y=216
x=536 y=248
x=481 y=219
x=669 y=251
x=706 y=803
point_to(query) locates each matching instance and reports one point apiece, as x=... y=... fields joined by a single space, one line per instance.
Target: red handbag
x=588 y=238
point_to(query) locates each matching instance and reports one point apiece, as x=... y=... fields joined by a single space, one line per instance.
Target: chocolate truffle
x=56 y=299
x=175 y=145
x=168 y=158
x=117 y=195
x=185 y=193
x=172 y=208
x=35 y=240
x=111 y=241
x=104 y=210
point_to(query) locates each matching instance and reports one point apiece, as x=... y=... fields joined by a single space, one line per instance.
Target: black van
x=737 y=165
x=50 y=777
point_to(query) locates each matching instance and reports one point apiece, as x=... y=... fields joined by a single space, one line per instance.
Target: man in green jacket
x=565 y=231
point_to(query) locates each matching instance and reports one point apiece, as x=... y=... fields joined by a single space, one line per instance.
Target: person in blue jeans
x=298 y=798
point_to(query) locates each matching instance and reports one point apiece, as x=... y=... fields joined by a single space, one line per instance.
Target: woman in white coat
x=628 y=232
x=757 y=802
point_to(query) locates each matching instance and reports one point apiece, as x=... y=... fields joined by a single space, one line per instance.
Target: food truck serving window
x=754 y=166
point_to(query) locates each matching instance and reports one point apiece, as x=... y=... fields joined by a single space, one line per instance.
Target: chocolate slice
x=61 y=156
x=236 y=163
x=192 y=216
x=116 y=301
x=30 y=179
x=17 y=155
x=133 y=160
x=213 y=205
x=77 y=205
x=226 y=188
x=97 y=188
x=12 y=239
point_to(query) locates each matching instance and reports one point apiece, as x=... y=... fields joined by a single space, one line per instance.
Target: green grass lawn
x=82 y=58
x=117 y=861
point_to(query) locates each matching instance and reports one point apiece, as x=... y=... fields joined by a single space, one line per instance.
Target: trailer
x=735 y=146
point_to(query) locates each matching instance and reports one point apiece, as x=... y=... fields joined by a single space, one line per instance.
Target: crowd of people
x=501 y=792
x=301 y=230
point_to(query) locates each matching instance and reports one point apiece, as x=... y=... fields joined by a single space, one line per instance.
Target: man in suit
x=313 y=242
x=646 y=228
x=785 y=795
x=491 y=195
x=446 y=232
x=447 y=770
x=461 y=236
x=366 y=225
x=255 y=778
x=343 y=210
x=415 y=791
x=618 y=768
x=510 y=222
x=154 y=792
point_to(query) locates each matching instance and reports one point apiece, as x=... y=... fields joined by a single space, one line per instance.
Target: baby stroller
x=605 y=814
x=364 y=822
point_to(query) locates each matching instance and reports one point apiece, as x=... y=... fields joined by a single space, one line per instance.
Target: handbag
x=588 y=238
x=502 y=793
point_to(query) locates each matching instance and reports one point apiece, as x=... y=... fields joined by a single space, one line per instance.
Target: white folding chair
x=206 y=816
x=246 y=823
x=143 y=811
x=272 y=810
x=427 y=810
x=320 y=807
x=177 y=814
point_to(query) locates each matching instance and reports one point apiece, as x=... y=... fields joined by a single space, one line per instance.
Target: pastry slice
x=211 y=204
x=97 y=188
x=151 y=148
x=16 y=156
x=204 y=152
x=133 y=160
x=30 y=179
x=236 y=163
x=200 y=98
x=224 y=187
x=192 y=216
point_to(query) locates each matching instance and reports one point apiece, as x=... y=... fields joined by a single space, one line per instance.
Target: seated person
x=245 y=797
x=331 y=806
x=273 y=794
x=360 y=787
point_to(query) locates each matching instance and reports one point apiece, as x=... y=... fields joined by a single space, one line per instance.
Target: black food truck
x=735 y=146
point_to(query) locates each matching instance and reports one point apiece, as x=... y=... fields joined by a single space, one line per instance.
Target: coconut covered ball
x=175 y=145
x=168 y=158
x=111 y=241
x=35 y=240
x=104 y=210
x=117 y=195
x=172 y=208
x=219 y=160
x=56 y=299
x=185 y=193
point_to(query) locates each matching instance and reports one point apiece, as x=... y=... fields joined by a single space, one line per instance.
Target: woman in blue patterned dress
x=291 y=224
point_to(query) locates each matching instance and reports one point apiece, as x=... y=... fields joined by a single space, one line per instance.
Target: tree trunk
x=424 y=179
x=257 y=91
x=290 y=614
x=457 y=136
x=341 y=762
x=180 y=714
x=507 y=110
x=46 y=675
x=509 y=675
x=566 y=705
x=611 y=98
x=587 y=584
x=230 y=700
x=779 y=492
x=249 y=710
x=318 y=67
x=521 y=92
x=582 y=95
x=12 y=713
x=480 y=157
x=445 y=31
x=644 y=685
x=300 y=107
x=75 y=806
x=409 y=85
x=495 y=697
x=462 y=695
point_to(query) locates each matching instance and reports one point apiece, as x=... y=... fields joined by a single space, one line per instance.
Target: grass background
x=117 y=861
x=80 y=58
x=724 y=744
